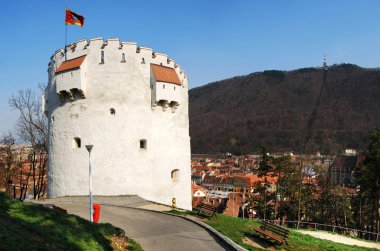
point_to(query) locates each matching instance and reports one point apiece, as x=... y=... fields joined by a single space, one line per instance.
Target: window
x=174 y=175
x=102 y=57
x=123 y=58
x=143 y=60
x=112 y=111
x=76 y=142
x=174 y=87
x=142 y=143
x=163 y=86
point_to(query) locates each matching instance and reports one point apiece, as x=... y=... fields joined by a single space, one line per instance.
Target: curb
x=224 y=239
x=231 y=245
x=227 y=241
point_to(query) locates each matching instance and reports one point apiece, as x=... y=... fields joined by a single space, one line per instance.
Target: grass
x=238 y=229
x=34 y=227
x=176 y=212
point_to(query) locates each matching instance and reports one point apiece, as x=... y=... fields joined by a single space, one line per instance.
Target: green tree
x=265 y=164
x=7 y=161
x=283 y=168
x=288 y=188
x=368 y=179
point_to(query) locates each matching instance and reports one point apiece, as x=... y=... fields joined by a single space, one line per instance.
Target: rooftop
x=70 y=64
x=165 y=74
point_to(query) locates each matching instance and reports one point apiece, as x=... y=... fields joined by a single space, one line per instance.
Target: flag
x=73 y=18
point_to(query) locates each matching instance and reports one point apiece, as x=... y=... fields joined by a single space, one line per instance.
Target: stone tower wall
x=114 y=104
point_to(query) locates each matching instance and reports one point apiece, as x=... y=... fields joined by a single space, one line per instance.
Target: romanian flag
x=73 y=18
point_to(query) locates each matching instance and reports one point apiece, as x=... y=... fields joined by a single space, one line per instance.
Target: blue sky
x=210 y=39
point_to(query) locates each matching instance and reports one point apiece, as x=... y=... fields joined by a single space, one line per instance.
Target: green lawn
x=238 y=229
x=34 y=227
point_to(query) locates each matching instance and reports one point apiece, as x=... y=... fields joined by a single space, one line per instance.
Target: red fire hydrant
x=96 y=212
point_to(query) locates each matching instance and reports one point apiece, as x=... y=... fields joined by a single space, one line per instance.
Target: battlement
x=119 y=51
x=131 y=103
x=84 y=64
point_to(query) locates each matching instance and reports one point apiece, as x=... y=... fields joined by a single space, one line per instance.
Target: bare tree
x=32 y=124
x=32 y=128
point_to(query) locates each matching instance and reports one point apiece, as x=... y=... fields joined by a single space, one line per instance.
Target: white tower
x=130 y=103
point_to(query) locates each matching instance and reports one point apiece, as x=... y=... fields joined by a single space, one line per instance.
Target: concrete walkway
x=152 y=230
x=341 y=239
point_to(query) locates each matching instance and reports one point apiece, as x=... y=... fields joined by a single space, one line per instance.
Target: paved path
x=152 y=230
x=341 y=239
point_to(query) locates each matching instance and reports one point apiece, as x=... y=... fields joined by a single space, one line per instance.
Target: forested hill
x=304 y=110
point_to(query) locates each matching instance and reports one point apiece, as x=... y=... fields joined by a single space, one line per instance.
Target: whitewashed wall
x=120 y=167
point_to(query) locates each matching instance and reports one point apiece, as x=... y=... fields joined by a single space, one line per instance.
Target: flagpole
x=66 y=42
x=65 y=50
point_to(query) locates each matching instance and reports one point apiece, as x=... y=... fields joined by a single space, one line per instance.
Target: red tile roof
x=165 y=74
x=70 y=64
x=195 y=187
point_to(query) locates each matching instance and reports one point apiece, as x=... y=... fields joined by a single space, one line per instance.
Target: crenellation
x=160 y=59
x=73 y=47
x=129 y=43
x=162 y=55
x=132 y=91
x=113 y=40
x=145 y=54
x=60 y=52
x=177 y=68
x=81 y=44
x=96 y=42
x=96 y=39
x=129 y=48
x=170 y=62
x=86 y=45
x=146 y=50
x=81 y=41
x=75 y=50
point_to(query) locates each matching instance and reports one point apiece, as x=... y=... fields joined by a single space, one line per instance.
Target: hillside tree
x=8 y=161
x=368 y=180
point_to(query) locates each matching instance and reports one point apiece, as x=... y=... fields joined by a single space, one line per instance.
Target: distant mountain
x=304 y=110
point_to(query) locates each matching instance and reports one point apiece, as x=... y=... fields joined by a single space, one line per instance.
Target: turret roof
x=165 y=74
x=71 y=64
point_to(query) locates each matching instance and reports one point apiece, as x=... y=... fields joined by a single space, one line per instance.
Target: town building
x=343 y=168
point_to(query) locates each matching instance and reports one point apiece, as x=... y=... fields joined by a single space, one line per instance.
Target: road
x=152 y=230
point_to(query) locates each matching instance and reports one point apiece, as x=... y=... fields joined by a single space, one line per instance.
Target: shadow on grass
x=259 y=242
x=36 y=227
